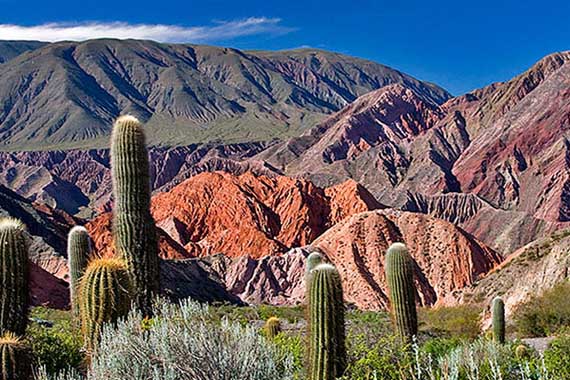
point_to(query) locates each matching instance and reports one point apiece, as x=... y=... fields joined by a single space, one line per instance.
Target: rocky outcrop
x=447 y=259
x=503 y=230
x=244 y=215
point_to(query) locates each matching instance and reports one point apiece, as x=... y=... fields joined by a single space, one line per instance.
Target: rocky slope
x=530 y=270
x=12 y=49
x=447 y=258
x=507 y=144
x=244 y=215
x=67 y=94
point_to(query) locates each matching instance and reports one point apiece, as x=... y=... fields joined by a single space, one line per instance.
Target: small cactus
x=327 y=349
x=16 y=358
x=105 y=297
x=402 y=291
x=272 y=327
x=78 y=252
x=498 y=314
x=134 y=231
x=521 y=352
x=14 y=272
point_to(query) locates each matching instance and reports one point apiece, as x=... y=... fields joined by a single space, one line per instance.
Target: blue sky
x=460 y=45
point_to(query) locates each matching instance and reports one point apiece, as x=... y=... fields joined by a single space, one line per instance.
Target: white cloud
x=222 y=30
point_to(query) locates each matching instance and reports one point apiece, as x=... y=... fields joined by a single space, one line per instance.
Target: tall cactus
x=327 y=349
x=78 y=252
x=402 y=291
x=134 y=230
x=15 y=358
x=14 y=273
x=498 y=314
x=105 y=297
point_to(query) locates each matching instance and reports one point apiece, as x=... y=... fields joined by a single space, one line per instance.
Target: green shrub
x=58 y=346
x=293 y=345
x=545 y=314
x=557 y=357
x=459 y=321
x=385 y=359
x=438 y=347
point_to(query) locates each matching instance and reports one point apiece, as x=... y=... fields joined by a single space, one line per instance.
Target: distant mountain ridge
x=66 y=94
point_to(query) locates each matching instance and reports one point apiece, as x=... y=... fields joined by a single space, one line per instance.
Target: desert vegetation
x=119 y=327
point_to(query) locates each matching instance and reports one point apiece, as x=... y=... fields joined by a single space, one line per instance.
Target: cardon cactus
x=313 y=260
x=78 y=254
x=402 y=291
x=134 y=231
x=16 y=358
x=327 y=349
x=105 y=297
x=14 y=300
x=498 y=314
x=272 y=327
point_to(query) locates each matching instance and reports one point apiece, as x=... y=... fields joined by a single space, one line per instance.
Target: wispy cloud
x=220 y=30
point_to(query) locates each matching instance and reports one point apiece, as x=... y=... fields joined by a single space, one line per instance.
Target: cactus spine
x=402 y=291
x=498 y=314
x=105 y=297
x=14 y=271
x=134 y=230
x=327 y=350
x=16 y=358
x=272 y=327
x=78 y=252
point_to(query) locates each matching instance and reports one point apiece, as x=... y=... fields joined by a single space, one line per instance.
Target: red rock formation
x=447 y=258
x=244 y=215
x=100 y=231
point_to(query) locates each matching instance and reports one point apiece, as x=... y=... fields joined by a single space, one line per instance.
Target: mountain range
x=67 y=94
x=313 y=150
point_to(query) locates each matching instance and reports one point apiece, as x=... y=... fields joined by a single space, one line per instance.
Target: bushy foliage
x=186 y=343
x=557 y=357
x=384 y=359
x=545 y=314
x=55 y=342
x=462 y=322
